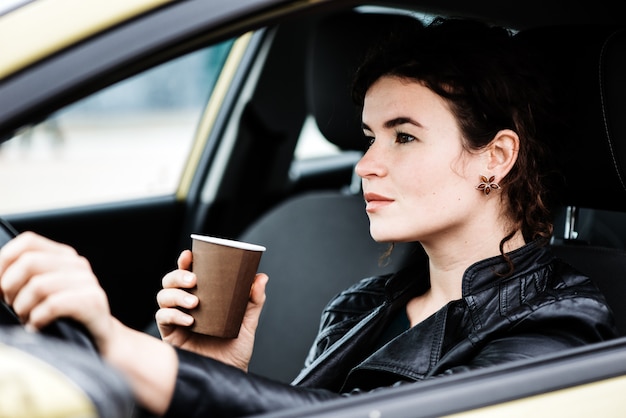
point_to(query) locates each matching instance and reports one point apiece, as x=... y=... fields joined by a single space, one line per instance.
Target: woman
x=451 y=113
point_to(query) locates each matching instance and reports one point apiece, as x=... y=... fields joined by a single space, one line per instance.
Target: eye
x=403 y=138
x=369 y=140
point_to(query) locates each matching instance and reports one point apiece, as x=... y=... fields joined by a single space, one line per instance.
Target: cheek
x=413 y=180
x=438 y=187
x=424 y=176
x=435 y=171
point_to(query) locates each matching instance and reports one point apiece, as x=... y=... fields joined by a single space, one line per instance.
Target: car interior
x=585 y=63
x=334 y=247
x=324 y=229
x=310 y=215
x=583 y=233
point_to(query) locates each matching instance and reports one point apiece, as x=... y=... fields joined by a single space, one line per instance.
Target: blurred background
x=95 y=150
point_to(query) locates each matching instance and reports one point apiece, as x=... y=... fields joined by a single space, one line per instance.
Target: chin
x=383 y=237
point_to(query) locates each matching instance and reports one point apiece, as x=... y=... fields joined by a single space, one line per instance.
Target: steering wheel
x=65 y=329
x=62 y=359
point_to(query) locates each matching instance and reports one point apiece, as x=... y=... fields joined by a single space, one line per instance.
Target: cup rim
x=228 y=242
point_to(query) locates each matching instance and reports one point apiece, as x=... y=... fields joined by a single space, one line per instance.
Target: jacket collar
x=482 y=274
x=414 y=278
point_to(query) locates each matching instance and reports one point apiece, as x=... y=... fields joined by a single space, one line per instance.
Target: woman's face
x=418 y=182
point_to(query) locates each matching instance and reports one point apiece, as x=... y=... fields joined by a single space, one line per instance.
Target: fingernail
x=187 y=278
x=189 y=301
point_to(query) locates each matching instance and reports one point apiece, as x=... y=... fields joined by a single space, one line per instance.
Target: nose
x=371 y=164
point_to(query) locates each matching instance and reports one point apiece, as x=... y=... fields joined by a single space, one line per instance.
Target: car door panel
x=130 y=247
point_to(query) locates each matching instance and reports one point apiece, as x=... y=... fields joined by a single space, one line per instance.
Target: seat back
x=607 y=267
x=318 y=243
x=586 y=65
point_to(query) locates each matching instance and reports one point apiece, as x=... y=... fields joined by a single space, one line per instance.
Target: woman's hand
x=174 y=323
x=44 y=280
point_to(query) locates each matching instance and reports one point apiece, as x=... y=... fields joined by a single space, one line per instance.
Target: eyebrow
x=395 y=122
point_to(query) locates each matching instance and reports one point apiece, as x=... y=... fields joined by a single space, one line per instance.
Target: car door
x=110 y=135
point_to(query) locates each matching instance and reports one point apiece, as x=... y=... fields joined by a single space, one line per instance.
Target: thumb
x=257 y=292
x=255 y=305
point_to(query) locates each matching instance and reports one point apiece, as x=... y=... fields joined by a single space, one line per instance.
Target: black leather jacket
x=543 y=307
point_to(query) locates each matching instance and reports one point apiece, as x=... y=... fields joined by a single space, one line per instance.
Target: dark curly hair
x=490 y=82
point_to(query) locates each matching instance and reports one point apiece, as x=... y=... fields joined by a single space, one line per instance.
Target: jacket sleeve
x=209 y=388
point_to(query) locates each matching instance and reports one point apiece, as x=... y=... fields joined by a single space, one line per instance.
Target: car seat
x=318 y=242
x=324 y=244
x=586 y=65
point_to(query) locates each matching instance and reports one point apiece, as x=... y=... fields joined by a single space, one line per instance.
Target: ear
x=502 y=153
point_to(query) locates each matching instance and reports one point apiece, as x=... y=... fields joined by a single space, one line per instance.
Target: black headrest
x=338 y=45
x=587 y=66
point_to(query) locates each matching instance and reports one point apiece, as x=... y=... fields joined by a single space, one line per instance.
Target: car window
x=312 y=143
x=130 y=140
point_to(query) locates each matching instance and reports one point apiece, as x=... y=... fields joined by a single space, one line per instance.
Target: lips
x=375 y=201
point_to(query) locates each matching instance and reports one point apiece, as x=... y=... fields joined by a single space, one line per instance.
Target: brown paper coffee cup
x=225 y=270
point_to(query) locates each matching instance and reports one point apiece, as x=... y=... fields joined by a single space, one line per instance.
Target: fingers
x=29 y=241
x=44 y=280
x=170 y=314
x=184 y=260
x=170 y=298
x=179 y=279
x=64 y=304
x=28 y=256
x=39 y=290
x=173 y=299
x=24 y=245
x=166 y=318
